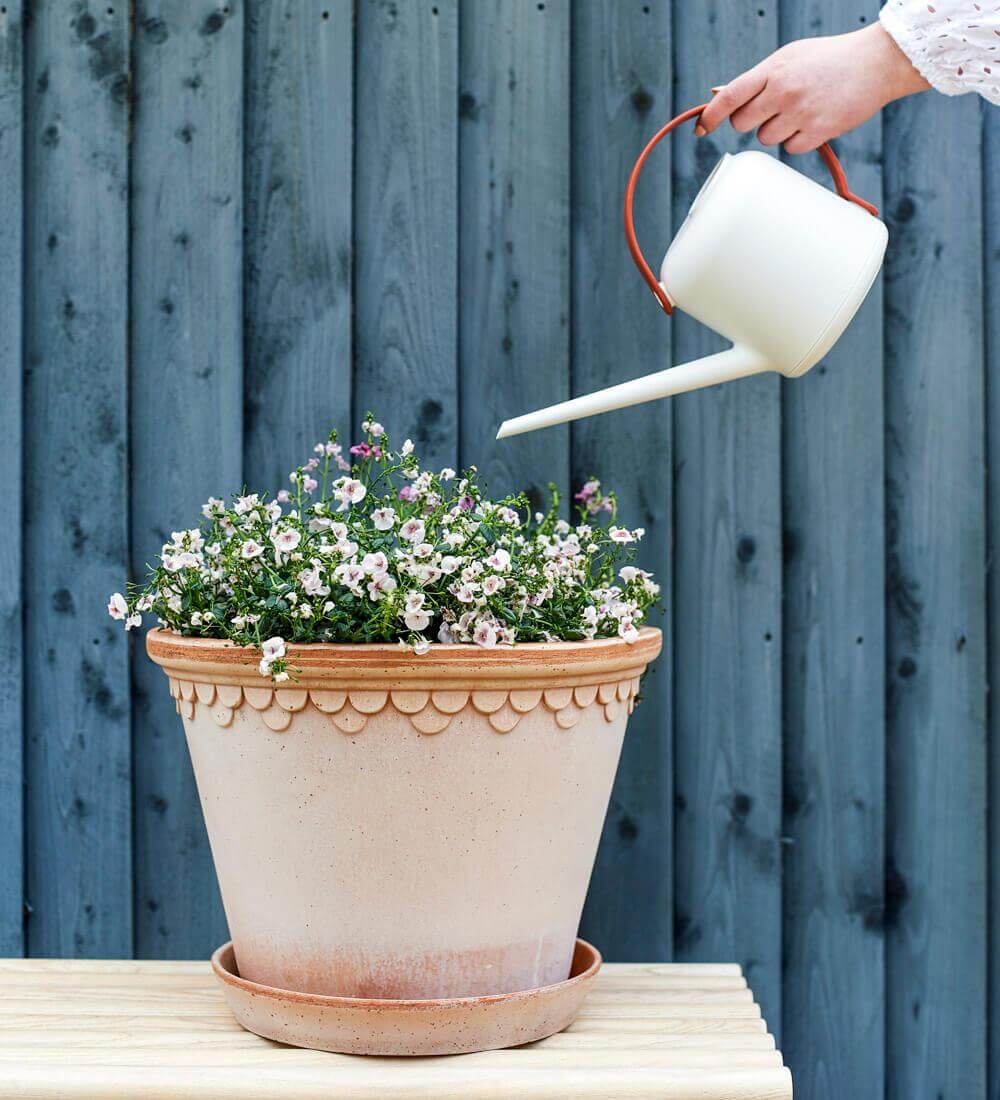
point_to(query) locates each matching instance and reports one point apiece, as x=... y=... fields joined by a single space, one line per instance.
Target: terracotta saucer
x=456 y=1025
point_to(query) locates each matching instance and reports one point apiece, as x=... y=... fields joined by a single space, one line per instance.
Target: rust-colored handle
x=829 y=159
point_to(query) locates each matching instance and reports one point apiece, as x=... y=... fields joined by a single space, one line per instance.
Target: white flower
x=485 y=635
x=499 y=560
x=445 y=636
x=415 y=601
x=213 y=507
x=286 y=540
x=375 y=428
x=627 y=631
x=383 y=519
x=447 y=474
x=117 y=606
x=273 y=649
x=412 y=530
x=375 y=563
x=251 y=549
x=421 y=646
x=620 y=534
x=407 y=448
x=312 y=582
x=449 y=564
x=417 y=620
x=280 y=677
x=423 y=550
x=132 y=621
x=492 y=585
x=350 y=491
x=265 y=667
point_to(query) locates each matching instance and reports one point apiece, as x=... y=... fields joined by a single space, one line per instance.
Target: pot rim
x=317 y=665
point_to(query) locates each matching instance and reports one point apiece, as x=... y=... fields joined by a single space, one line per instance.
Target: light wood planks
x=77 y=759
x=163 y=1031
x=299 y=264
x=406 y=223
x=727 y=583
x=185 y=404
x=11 y=367
x=936 y=721
x=515 y=238
x=833 y=985
x=621 y=94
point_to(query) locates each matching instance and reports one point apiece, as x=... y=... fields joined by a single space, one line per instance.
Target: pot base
x=457 y=1025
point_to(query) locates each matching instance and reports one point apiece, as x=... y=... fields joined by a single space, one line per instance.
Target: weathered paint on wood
x=515 y=239
x=299 y=193
x=991 y=245
x=78 y=758
x=11 y=633
x=406 y=229
x=490 y=277
x=621 y=94
x=936 y=719
x=727 y=586
x=834 y=672
x=185 y=404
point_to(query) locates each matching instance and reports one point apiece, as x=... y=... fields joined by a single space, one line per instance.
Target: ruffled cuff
x=953 y=45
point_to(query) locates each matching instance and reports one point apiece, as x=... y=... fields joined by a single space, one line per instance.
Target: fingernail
x=699 y=130
x=717 y=88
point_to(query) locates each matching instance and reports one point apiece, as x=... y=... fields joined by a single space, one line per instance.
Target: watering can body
x=773 y=261
x=766 y=257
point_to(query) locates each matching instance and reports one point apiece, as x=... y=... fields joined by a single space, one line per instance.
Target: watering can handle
x=829 y=159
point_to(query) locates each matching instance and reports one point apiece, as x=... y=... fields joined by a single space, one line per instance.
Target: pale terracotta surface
x=394 y=826
x=451 y=1026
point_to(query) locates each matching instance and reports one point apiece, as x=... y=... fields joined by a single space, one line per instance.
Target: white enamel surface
x=769 y=259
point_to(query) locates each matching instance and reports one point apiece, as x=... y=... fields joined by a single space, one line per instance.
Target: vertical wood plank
x=936 y=946
x=991 y=245
x=621 y=93
x=77 y=688
x=11 y=364
x=406 y=223
x=186 y=404
x=515 y=246
x=834 y=670
x=727 y=584
x=299 y=189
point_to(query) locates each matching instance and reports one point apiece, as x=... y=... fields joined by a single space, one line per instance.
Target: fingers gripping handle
x=829 y=159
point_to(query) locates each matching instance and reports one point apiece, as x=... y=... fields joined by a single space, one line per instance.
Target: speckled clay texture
x=393 y=826
x=455 y=1026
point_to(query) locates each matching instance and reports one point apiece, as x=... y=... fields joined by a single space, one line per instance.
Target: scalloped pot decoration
x=351 y=683
x=428 y=711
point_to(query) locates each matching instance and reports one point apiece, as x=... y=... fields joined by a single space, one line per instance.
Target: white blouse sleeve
x=953 y=44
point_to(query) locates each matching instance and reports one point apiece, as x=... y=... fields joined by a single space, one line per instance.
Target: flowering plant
x=373 y=549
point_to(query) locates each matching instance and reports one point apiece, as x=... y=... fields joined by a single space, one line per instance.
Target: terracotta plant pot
x=393 y=826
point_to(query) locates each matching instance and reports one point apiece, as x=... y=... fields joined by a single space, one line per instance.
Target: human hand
x=815 y=89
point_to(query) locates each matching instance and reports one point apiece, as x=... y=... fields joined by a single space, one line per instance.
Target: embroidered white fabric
x=953 y=44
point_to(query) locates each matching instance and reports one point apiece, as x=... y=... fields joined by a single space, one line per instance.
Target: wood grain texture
x=727 y=584
x=515 y=241
x=11 y=366
x=621 y=93
x=185 y=404
x=991 y=288
x=78 y=765
x=299 y=192
x=163 y=1031
x=936 y=628
x=834 y=671
x=406 y=223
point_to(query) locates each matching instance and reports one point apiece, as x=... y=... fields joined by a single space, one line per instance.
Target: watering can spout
x=736 y=362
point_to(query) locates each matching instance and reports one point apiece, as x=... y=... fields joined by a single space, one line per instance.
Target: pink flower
x=251 y=549
x=408 y=493
x=351 y=491
x=361 y=449
x=412 y=530
x=466 y=503
x=283 y=496
x=117 y=606
x=309 y=484
x=485 y=635
x=499 y=560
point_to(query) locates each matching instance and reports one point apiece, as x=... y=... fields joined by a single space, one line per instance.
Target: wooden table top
x=93 y=1030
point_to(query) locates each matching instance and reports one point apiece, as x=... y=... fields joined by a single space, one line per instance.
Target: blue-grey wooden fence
x=226 y=226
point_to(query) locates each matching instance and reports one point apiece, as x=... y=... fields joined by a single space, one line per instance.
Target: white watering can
x=767 y=258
